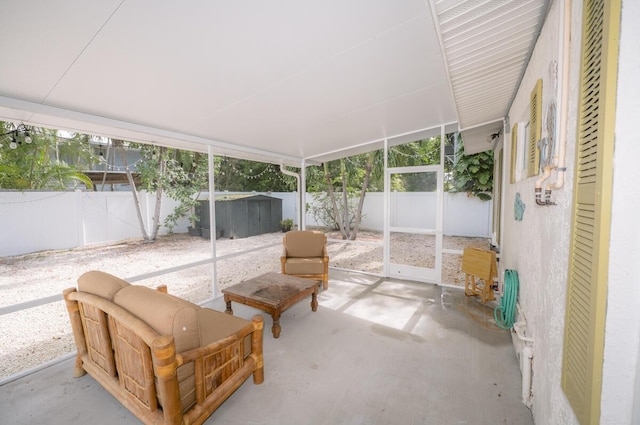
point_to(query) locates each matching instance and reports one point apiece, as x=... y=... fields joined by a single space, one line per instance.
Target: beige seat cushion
x=304 y=243
x=215 y=325
x=304 y=266
x=101 y=284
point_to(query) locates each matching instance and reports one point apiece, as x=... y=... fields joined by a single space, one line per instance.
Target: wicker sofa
x=165 y=359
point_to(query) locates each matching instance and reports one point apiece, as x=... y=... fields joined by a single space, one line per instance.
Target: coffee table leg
x=228 y=301
x=314 y=300
x=275 y=329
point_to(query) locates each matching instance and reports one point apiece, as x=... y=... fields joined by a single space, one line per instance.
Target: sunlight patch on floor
x=389 y=303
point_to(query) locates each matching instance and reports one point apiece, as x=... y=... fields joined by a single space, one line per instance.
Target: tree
x=30 y=159
x=119 y=145
x=181 y=175
x=347 y=180
x=348 y=220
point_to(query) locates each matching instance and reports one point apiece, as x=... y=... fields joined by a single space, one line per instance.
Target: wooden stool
x=479 y=264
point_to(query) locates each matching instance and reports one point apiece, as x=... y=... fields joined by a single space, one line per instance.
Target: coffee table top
x=272 y=289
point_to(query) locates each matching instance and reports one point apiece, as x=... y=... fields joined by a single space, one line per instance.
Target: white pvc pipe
x=299 y=206
x=518 y=328
x=527 y=357
x=560 y=163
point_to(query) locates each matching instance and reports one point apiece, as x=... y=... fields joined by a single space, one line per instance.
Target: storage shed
x=241 y=216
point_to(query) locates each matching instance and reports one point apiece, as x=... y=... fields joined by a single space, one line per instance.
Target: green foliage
x=473 y=174
x=179 y=174
x=43 y=163
x=182 y=175
x=323 y=213
x=421 y=152
x=347 y=180
x=241 y=175
x=286 y=224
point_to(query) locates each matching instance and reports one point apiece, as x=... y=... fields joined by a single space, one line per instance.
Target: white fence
x=463 y=216
x=37 y=221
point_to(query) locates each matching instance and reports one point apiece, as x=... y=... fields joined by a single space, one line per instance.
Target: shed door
x=259 y=217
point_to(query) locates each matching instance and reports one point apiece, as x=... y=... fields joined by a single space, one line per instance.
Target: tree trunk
x=119 y=144
x=363 y=192
x=345 y=228
x=162 y=169
x=334 y=203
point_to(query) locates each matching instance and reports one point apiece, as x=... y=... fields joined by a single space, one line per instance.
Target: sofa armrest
x=221 y=367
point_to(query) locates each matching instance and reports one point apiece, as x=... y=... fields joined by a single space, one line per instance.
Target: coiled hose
x=505 y=313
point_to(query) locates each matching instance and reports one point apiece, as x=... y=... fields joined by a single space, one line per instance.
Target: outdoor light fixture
x=21 y=131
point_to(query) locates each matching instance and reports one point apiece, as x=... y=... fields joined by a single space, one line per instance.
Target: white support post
x=440 y=206
x=212 y=226
x=387 y=205
x=303 y=195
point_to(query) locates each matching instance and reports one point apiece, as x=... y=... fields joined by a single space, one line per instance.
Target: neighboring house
x=110 y=173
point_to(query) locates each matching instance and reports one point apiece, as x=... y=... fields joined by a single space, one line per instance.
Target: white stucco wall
x=620 y=399
x=538 y=246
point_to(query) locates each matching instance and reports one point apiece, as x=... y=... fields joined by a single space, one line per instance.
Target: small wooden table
x=272 y=293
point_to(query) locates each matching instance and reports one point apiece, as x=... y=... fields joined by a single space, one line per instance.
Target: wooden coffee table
x=272 y=293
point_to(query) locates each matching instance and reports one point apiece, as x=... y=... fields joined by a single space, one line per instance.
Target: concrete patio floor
x=377 y=351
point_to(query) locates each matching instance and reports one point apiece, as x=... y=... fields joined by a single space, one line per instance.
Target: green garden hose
x=505 y=313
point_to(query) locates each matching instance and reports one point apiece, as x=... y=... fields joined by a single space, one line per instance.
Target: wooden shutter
x=514 y=152
x=535 y=129
x=588 y=262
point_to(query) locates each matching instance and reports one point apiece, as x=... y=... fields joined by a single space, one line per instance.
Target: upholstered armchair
x=305 y=255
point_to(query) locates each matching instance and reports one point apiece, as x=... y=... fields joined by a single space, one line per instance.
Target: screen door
x=414 y=224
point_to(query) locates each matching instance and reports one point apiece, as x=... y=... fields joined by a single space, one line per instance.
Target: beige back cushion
x=167 y=315
x=100 y=283
x=304 y=243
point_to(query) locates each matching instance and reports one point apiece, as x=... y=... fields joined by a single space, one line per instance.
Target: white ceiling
x=276 y=80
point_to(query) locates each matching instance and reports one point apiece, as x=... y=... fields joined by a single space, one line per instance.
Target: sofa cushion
x=215 y=325
x=101 y=284
x=167 y=315
x=304 y=243
x=304 y=266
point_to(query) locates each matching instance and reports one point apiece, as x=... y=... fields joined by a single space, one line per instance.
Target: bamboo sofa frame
x=141 y=368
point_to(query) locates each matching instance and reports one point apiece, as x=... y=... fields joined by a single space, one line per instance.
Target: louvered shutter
x=514 y=152
x=588 y=268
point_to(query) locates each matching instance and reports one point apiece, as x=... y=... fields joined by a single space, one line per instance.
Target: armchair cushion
x=304 y=266
x=304 y=244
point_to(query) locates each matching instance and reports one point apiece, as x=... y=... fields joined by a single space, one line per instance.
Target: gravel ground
x=37 y=335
